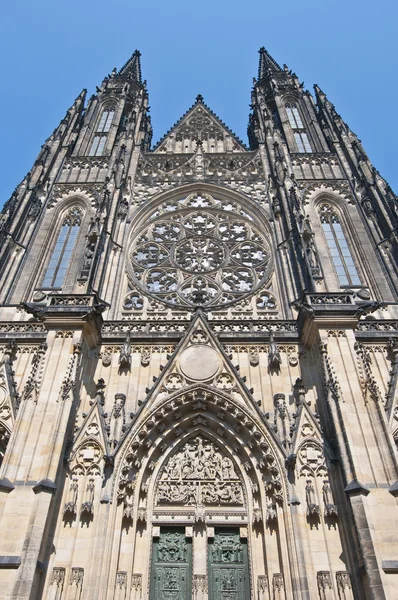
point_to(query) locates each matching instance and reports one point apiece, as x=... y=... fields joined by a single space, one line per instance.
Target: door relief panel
x=171 y=566
x=228 y=567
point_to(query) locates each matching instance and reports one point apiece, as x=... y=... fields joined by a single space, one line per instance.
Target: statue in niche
x=274 y=356
x=125 y=353
x=117 y=420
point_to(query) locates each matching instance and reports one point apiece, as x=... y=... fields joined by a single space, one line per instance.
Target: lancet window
x=338 y=246
x=62 y=253
x=296 y=123
x=101 y=134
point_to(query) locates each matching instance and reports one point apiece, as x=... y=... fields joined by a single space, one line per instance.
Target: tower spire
x=266 y=64
x=133 y=66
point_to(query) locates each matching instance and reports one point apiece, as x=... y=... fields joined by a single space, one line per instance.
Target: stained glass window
x=301 y=138
x=101 y=134
x=338 y=247
x=62 y=253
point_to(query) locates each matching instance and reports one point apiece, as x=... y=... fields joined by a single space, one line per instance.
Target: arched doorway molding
x=251 y=442
x=242 y=435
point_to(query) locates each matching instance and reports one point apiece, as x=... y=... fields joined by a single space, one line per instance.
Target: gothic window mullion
x=101 y=133
x=338 y=247
x=299 y=131
x=62 y=254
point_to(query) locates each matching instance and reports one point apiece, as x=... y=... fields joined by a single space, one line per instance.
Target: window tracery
x=101 y=133
x=338 y=246
x=301 y=138
x=62 y=253
x=198 y=252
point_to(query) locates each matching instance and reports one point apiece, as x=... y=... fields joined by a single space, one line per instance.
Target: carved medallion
x=199 y=362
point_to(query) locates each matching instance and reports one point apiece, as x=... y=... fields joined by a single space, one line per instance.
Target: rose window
x=199 y=255
x=199 y=252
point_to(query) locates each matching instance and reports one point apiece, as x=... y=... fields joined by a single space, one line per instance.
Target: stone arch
x=158 y=434
x=199 y=407
x=223 y=193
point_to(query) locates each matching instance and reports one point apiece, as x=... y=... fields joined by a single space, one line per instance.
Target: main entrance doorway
x=228 y=566
x=171 y=573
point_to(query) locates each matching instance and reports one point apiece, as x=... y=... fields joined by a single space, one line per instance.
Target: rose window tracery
x=200 y=251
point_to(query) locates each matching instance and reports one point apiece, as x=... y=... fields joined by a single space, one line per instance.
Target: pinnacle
x=133 y=65
x=199 y=98
x=266 y=63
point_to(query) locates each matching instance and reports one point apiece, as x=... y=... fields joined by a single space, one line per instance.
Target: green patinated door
x=228 y=566
x=171 y=575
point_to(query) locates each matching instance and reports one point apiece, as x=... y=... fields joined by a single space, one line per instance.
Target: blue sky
x=50 y=50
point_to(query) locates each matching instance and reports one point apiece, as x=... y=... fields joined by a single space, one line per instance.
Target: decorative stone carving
x=278 y=583
x=33 y=383
x=203 y=258
x=330 y=507
x=262 y=587
x=343 y=583
x=199 y=583
x=199 y=474
x=86 y=459
x=68 y=386
x=299 y=392
x=121 y=579
x=312 y=507
x=70 y=504
x=125 y=353
x=145 y=357
x=87 y=507
x=76 y=577
x=117 y=420
x=254 y=357
x=274 y=357
x=106 y=358
x=324 y=582
x=136 y=582
x=58 y=576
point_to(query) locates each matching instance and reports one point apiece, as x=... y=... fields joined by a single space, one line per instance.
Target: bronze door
x=228 y=566
x=171 y=575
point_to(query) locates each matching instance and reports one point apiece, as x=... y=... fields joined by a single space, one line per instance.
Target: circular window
x=199 y=254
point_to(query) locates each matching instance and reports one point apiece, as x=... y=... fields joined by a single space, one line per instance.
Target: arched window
x=338 y=246
x=296 y=123
x=62 y=253
x=101 y=133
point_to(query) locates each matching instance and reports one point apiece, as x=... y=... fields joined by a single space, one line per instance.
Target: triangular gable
x=93 y=427
x=200 y=361
x=308 y=444
x=200 y=123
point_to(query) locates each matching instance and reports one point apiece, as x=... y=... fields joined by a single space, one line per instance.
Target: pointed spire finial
x=133 y=66
x=266 y=63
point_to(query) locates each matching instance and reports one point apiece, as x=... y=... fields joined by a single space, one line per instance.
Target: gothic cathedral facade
x=199 y=356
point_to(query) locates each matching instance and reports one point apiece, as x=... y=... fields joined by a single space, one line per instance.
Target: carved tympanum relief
x=199 y=474
x=200 y=252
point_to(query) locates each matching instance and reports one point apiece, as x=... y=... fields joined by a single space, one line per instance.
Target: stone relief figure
x=199 y=474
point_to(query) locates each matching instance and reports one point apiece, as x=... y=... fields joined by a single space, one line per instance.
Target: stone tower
x=199 y=356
